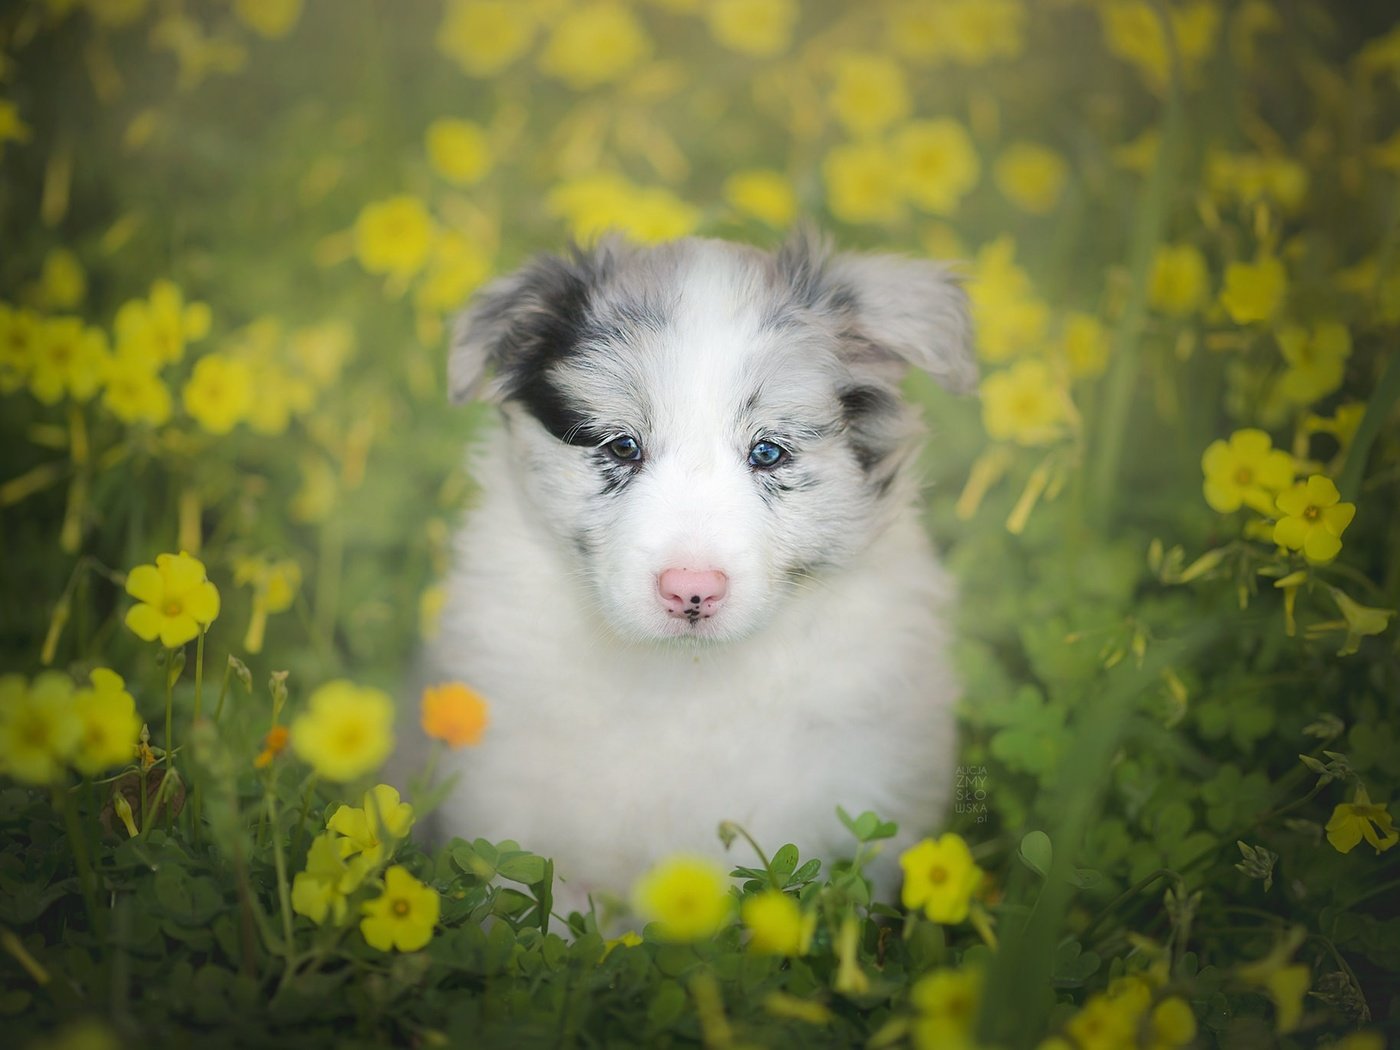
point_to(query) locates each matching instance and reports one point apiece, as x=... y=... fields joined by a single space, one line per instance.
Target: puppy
x=696 y=587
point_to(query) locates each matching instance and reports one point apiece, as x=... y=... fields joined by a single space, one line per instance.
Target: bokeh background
x=235 y=233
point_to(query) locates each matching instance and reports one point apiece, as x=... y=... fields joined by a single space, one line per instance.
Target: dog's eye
x=765 y=455
x=625 y=449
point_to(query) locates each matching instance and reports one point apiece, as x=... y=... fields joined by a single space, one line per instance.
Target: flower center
x=1311 y=513
x=401 y=907
x=174 y=607
x=938 y=874
x=1244 y=476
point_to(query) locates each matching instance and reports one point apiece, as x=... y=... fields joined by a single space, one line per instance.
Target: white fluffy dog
x=696 y=587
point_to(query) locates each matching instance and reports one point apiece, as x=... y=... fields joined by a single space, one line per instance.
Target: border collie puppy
x=695 y=587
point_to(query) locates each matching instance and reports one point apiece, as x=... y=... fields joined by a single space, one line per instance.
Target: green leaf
x=521 y=867
x=666 y=1006
x=1036 y=852
x=784 y=861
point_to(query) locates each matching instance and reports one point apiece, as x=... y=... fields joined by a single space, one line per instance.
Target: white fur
x=620 y=735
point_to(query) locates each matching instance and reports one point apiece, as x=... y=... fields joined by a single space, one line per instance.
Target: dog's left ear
x=912 y=309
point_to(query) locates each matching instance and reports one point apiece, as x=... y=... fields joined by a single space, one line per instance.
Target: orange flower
x=454 y=713
x=273 y=745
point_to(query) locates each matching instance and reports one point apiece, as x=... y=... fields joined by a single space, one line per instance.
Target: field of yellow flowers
x=232 y=233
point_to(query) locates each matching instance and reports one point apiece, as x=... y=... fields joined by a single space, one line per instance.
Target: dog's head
x=704 y=426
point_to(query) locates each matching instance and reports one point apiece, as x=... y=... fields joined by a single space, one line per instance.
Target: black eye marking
x=766 y=455
x=625 y=449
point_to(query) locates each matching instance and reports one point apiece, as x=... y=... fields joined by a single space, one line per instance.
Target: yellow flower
x=687 y=898
x=1085 y=344
x=947 y=1002
x=347 y=731
x=973 y=32
x=593 y=44
x=1134 y=33
x=319 y=892
x=776 y=924
x=1010 y=318
x=455 y=714
x=937 y=164
x=393 y=236
x=1312 y=518
x=1180 y=281
x=1245 y=471
x=485 y=36
x=275 y=585
x=404 y=916
x=1287 y=986
x=870 y=93
x=176 y=599
x=593 y=204
x=321 y=350
x=69 y=358
x=220 y=393
x=630 y=939
x=383 y=820
x=1173 y=1023
x=1360 y=621
x=1024 y=404
x=766 y=195
x=19 y=339
x=761 y=28
x=109 y=723
x=272 y=19
x=1316 y=360
x=862 y=183
x=459 y=150
x=1107 y=1022
x=1254 y=291
x=39 y=728
x=62 y=282
x=12 y=129
x=458 y=265
x=1031 y=176
x=133 y=391
x=1361 y=818
x=1249 y=177
x=158 y=328
x=940 y=877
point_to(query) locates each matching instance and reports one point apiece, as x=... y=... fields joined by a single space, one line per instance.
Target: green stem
x=767 y=865
x=1378 y=409
x=284 y=893
x=301 y=817
x=87 y=880
x=197 y=809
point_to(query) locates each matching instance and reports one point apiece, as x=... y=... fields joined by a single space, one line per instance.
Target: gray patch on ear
x=913 y=309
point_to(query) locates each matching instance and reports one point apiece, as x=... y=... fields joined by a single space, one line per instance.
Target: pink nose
x=695 y=594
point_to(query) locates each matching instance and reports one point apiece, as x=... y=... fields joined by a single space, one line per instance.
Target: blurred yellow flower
x=1010 y=318
x=1085 y=345
x=272 y=19
x=454 y=713
x=158 y=328
x=62 y=282
x=394 y=236
x=219 y=394
x=1133 y=32
x=1245 y=471
x=1180 y=282
x=485 y=36
x=1312 y=518
x=321 y=350
x=863 y=183
x=69 y=358
x=1109 y=1021
x=1249 y=177
x=940 y=877
x=115 y=13
x=594 y=204
x=384 y=820
x=275 y=585
x=197 y=53
x=404 y=916
x=19 y=338
x=319 y=892
x=12 y=129
x=765 y=195
x=175 y=599
x=687 y=897
x=346 y=731
x=937 y=164
x=1024 y=404
x=1254 y=291
x=459 y=150
x=761 y=28
x=1031 y=177
x=1316 y=360
x=974 y=32
x=1361 y=818
x=133 y=391
x=594 y=43
x=776 y=924
x=430 y=606
x=39 y=728
x=1286 y=987
x=1360 y=621
x=107 y=714
x=947 y=1002
x=1173 y=1023
x=869 y=94
x=459 y=264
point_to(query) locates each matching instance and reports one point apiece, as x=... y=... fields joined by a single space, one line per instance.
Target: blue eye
x=625 y=449
x=765 y=455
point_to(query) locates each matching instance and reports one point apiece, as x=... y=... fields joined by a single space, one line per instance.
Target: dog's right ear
x=519 y=323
